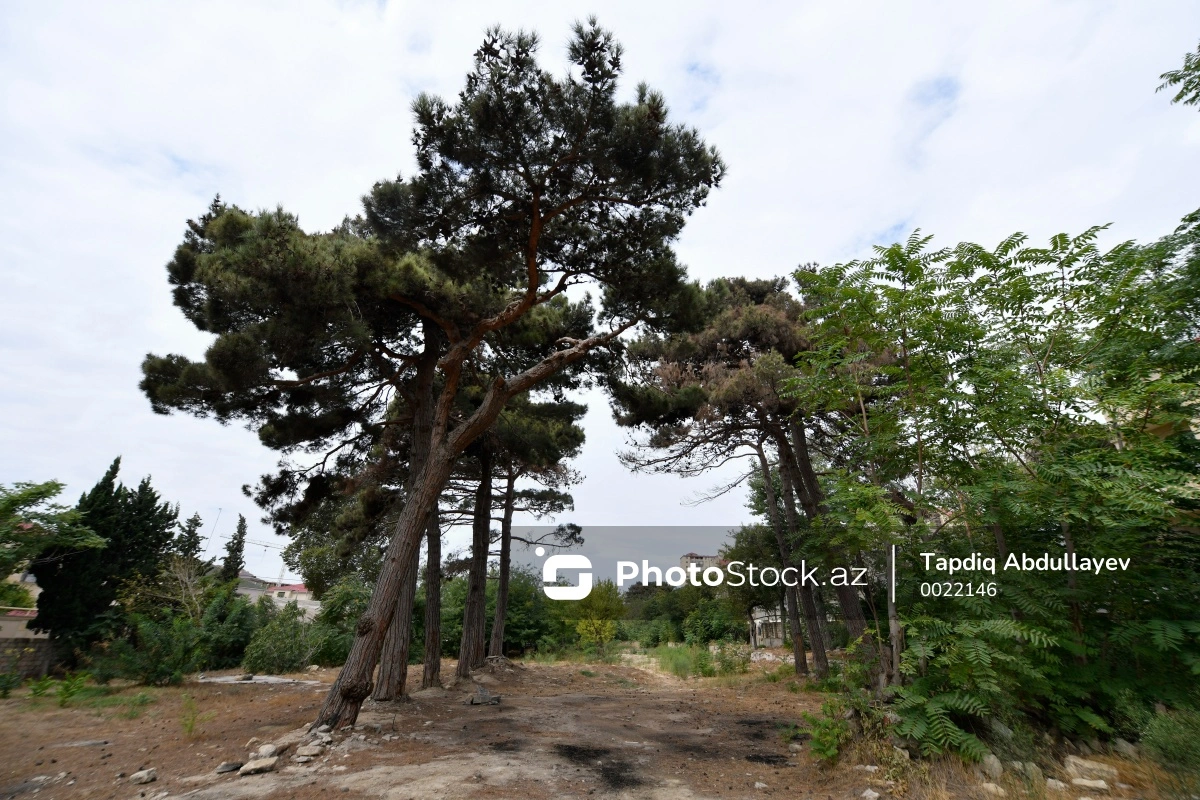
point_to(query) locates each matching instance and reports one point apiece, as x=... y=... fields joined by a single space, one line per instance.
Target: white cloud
x=843 y=126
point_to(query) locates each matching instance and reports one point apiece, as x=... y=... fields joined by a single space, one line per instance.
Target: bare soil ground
x=560 y=731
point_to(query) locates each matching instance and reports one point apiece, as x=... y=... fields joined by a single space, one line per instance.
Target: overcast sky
x=843 y=125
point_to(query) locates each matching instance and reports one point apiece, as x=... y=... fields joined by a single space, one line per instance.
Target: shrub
x=733 y=658
x=159 y=653
x=1173 y=739
x=69 y=687
x=829 y=732
x=39 y=687
x=227 y=626
x=285 y=644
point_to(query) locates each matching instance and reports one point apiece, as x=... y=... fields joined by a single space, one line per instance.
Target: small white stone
x=870 y=794
x=259 y=765
x=1094 y=785
x=993 y=790
x=759 y=785
x=866 y=767
x=144 y=776
x=1055 y=786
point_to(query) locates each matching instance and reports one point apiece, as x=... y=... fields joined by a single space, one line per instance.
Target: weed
x=39 y=687
x=587 y=673
x=190 y=717
x=69 y=687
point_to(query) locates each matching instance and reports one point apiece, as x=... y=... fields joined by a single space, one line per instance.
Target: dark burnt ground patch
x=616 y=773
x=772 y=759
x=507 y=745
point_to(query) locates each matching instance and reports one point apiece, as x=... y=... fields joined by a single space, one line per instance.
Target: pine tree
x=235 y=551
x=78 y=587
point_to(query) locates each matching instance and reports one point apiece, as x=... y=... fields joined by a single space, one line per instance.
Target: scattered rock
x=1125 y=748
x=266 y=751
x=993 y=790
x=144 y=776
x=1124 y=786
x=259 y=765
x=310 y=750
x=302 y=759
x=312 y=668
x=795 y=747
x=228 y=766
x=1091 y=770
x=866 y=767
x=1001 y=730
x=870 y=794
x=1033 y=772
x=432 y=693
x=247 y=677
x=901 y=752
x=1055 y=786
x=483 y=697
x=759 y=785
x=324 y=729
x=992 y=767
x=1096 y=785
x=253 y=741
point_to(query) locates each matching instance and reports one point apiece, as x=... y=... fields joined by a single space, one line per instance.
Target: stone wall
x=32 y=656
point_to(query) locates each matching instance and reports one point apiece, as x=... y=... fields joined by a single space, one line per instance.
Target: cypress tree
x=79 y=587
x=235 y=551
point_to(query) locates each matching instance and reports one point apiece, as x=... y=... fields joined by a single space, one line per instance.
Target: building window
x=280 y=594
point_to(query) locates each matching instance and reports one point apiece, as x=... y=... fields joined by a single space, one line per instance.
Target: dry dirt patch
x=616 y=731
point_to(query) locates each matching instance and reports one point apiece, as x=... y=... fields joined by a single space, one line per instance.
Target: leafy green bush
x=227 y=626
x=712 y=621
x=69 y=687
x=733 y=658
x=285 y=644
x=1173 y=739
x=159 y=653
x=960 y=673
x=39 y=687
x=830 y=731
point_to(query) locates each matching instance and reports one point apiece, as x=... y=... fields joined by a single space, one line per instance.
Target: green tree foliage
x=189 y=541
x=79 y=586
x=1019 y=400
x=31 y=525
x=1185 y=81
x=235 y=553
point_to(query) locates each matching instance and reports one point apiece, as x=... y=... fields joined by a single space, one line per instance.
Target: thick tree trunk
x=393 y=665
x=796 y=463
x=432 y=673
x=393 y=661
x=814 y=595
x=496 y=646
x=353 y=684
x=785 y=555
x=471 y=651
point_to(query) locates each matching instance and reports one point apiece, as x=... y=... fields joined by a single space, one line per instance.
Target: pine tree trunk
x=393 y=661
x=796 y=462
x=496 y=646
x=785 y=555
x=432 y=674
x=471 y=651
x=353 y=684
x=819 y=609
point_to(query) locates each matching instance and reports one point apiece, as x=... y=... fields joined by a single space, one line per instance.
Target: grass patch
x=587 y=673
